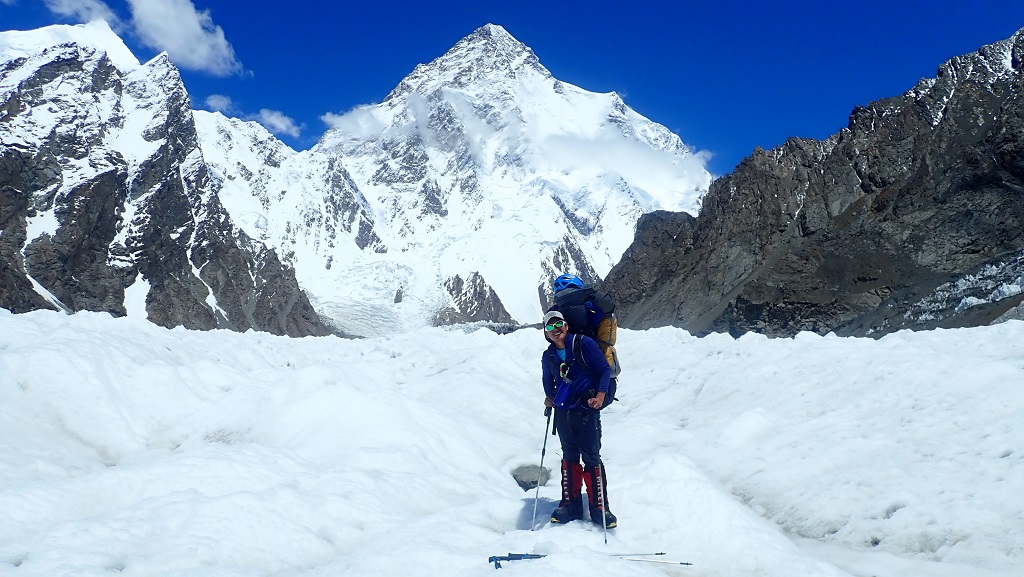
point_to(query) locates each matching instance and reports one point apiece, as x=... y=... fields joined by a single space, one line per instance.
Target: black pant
x=579 y=432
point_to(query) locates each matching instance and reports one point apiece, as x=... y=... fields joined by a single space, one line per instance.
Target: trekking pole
x=604 y=502
x=544 y=449
x=497 y=559
x=655 y=561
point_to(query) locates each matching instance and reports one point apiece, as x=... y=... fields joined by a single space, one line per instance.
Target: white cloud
x=672 y=181
x=81 y=10
x=220 y=103
x=277 y=122
x=359 y=122
x=189 y=37
x=333 y=120
x=8 y=2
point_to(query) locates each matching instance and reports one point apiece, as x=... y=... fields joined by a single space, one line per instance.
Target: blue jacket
x=586 y=375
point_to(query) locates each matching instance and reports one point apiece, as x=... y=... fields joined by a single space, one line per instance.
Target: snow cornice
x=94 y=36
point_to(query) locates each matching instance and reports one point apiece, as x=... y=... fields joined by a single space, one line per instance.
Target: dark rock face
x=16 y=291
x=912 y=217
x=651 y=263
x=474 y=300
x=114 y=221
x=349 y=209
x=72 y=264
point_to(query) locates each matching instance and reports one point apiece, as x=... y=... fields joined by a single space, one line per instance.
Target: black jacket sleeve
x=550 y=373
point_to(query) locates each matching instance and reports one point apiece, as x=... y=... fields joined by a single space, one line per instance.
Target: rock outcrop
x=473 y=301
x=911 y=217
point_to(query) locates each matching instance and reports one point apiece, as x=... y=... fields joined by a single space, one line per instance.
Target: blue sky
x=725 y=76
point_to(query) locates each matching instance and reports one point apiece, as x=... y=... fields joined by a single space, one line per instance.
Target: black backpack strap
x=577 y=350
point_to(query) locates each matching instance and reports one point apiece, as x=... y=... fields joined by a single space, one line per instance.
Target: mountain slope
x=911 y=217
x=106 y=200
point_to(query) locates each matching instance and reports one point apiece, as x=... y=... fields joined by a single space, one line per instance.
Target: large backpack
x=592 y=313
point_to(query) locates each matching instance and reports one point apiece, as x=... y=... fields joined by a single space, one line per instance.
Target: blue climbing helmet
x=567 y=281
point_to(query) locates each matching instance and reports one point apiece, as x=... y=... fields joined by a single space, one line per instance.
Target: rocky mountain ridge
x=911 y=217
x=104 y=196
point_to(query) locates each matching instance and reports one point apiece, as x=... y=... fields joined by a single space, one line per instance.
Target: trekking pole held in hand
x=544 y=449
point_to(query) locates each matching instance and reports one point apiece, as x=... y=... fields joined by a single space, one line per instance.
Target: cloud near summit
x=275 y=121
x=83 y=10
x=189 y=36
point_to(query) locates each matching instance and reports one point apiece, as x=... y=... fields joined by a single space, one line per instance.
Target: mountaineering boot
x=570 y=508
x=597 y=493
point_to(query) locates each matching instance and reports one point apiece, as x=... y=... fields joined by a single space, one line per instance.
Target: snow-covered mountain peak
x=488 y=54
x=476 y=181
x=95 y=35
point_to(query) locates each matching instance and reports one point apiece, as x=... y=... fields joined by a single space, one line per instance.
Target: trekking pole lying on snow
x=631 y=557
x=497 y=559
x=544 y=449
x=655 y=561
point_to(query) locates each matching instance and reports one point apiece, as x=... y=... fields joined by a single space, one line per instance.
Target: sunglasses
x=555 y=325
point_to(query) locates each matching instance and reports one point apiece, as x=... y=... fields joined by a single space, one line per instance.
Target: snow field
x=130 y=449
